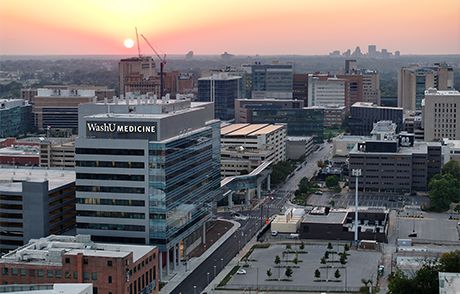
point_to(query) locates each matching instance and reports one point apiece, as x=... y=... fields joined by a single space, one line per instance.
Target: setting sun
x=129 y=43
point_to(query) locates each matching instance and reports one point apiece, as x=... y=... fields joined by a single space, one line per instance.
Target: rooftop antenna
x=137 y=40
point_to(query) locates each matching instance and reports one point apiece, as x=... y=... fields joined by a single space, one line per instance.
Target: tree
x=317 y=274
x=320 y=164
x=343 y=258
x=326 y=254
x=329 y=245
x=302 y=246
x=277 y=260
x=346 y=247
x=269 y=272
x=288 y=247
x=337 y=274
x=450 y=262
x=323 y=260
x=332 y=181
x=452 y=167
x=288 y=273
x=443 y=189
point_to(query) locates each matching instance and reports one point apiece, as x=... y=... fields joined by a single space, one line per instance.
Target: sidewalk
x=182 y=272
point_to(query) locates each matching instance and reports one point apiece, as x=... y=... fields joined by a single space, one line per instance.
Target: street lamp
x=194 y=289
x=207 y=274
x=356 y=173
x=222 y=263
x=214 y=271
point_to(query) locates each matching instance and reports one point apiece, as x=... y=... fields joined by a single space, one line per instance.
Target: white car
x=241 y=272
x=241 y=217
x=274 y=233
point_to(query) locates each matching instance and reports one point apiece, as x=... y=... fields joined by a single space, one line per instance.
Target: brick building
x=111 y=268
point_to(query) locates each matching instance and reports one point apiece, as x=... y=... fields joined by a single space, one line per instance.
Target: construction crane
x=162 y=64
x=137 y=41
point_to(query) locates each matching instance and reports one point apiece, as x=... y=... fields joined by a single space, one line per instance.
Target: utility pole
x=356 y=173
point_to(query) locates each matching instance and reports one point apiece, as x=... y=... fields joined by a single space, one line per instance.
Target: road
x=272 y=204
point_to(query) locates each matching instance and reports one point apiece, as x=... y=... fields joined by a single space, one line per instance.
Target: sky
x=245 y=27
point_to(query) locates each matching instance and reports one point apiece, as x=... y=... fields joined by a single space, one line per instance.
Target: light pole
x=194 y=289
x=215 y=271
x=356 y=173
x=222 y=263
x=208 y=277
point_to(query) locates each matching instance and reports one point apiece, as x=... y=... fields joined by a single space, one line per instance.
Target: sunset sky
x=236 y=26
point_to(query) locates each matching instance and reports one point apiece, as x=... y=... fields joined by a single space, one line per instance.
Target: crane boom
x=137 y=40
x=162 y=63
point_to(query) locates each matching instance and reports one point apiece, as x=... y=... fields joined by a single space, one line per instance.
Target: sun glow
x=129 y=43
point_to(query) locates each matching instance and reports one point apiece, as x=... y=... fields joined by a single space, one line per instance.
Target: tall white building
x=326 y=91
x=441 y=110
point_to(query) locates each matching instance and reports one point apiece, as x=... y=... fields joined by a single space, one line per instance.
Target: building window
x=5 y=271
x=86 y=276
x=67 y=260
x=67 y=275
x=14 y=271
x=40 y=273
x=85 y=260
x=75 y=275
x=58 y=274
x=50 y=274
x=94 y=276
x=109 y=263
x=110 y=280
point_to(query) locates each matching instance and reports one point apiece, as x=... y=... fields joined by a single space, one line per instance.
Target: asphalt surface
x=274 y=203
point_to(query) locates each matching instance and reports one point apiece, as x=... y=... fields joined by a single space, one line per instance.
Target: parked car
x=274 y=233
x=241 y=272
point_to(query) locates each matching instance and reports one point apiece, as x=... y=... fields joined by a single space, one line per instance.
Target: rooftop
x=333 y=217
x=11 y=178
x=49 y=250
x=370 y=104
x=435 y=92
x=249 y=129
x=298 y=138
x=220 y=76
x=20 y=150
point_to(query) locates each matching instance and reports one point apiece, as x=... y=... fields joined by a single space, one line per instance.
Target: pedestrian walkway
x=183 y=271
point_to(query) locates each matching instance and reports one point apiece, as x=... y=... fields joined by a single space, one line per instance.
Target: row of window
x=128 y=190
x=111 y=214
x=115 y=164
x=110 y=177
x=103 y=151
x=104 y=201
x=112 y=227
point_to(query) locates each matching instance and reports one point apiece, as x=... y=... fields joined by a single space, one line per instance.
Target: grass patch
x=229 y=276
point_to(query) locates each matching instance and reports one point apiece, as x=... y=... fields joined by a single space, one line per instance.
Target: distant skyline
x=238 y=26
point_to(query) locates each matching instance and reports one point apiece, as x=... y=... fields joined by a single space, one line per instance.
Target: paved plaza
x=360 y=265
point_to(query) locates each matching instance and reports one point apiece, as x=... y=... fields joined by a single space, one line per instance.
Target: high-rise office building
x=371 y=50
x=271 y=80
x=371 y=86
x=15 y=117
x=441 y=115
x=351 y=66
x=300 y=88
x=325 y=90
x=414 y=80
x=222 y=89
x=138 y=75
x=353 y=88
x=147 y=172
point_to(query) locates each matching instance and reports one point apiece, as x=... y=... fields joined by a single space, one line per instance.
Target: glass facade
x=15 y=121
x=225 y=93
x=300 y=121
x=184 y=179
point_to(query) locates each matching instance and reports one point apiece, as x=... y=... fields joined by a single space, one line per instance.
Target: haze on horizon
x=238 y=26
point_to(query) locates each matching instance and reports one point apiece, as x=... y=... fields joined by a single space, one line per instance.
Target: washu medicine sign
x=121 y=130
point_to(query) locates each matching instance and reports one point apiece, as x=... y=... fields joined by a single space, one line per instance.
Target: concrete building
x=325 y=90
x=300 y=121
x=138 y=75
x=413 y=124
x=111 y=268
x=363 y=115
x=440 y=111
x=86 y=288
x=272 y=81
x=101 y=92
x=58 y=108
x=148 y=172
x=15 y=117
x=351 y=66
x=414 y=80
x=371 y=86
x=334 y=115
x=299 y=147
x=453 y=148
x=223 y=90
x=397 y=165
x=245 y=146
x=325 y=224
x=34 y=203
x=342 y=145
x=57 y=152
x=300 y=88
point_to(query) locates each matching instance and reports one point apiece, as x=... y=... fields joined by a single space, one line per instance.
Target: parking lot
x=351 y=274
x=433 y=227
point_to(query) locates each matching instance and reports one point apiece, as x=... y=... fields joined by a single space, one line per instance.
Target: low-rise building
x=86 y=288
x=339 y=224
x=34 y=203
x=245 y=146
x=363 y=115
x=299 y=147
x=342 y=145
x=57 y=152
x=333 y=115
x=111 y=268
x=20 y=155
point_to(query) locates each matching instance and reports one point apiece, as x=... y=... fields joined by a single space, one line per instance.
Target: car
x=240 y=217
x=319 y=193
x=241 y=271
x=274 y=233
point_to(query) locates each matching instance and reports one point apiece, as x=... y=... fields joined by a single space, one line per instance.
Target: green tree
x=280 y=171
x=343 y=258
x=269 y=272
x=320 y=164
x=337 y=274
x=302 y=246
x=450 y=262
x=346 y=247
x=288 y=247
x=443 y=189
x=452 y=167
x=304 y=185
x=332 y=181
x=288 y=273
x=277 y=260
x=329 y=245
x=323 y=260
x=326 y=254
x=317 y=274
